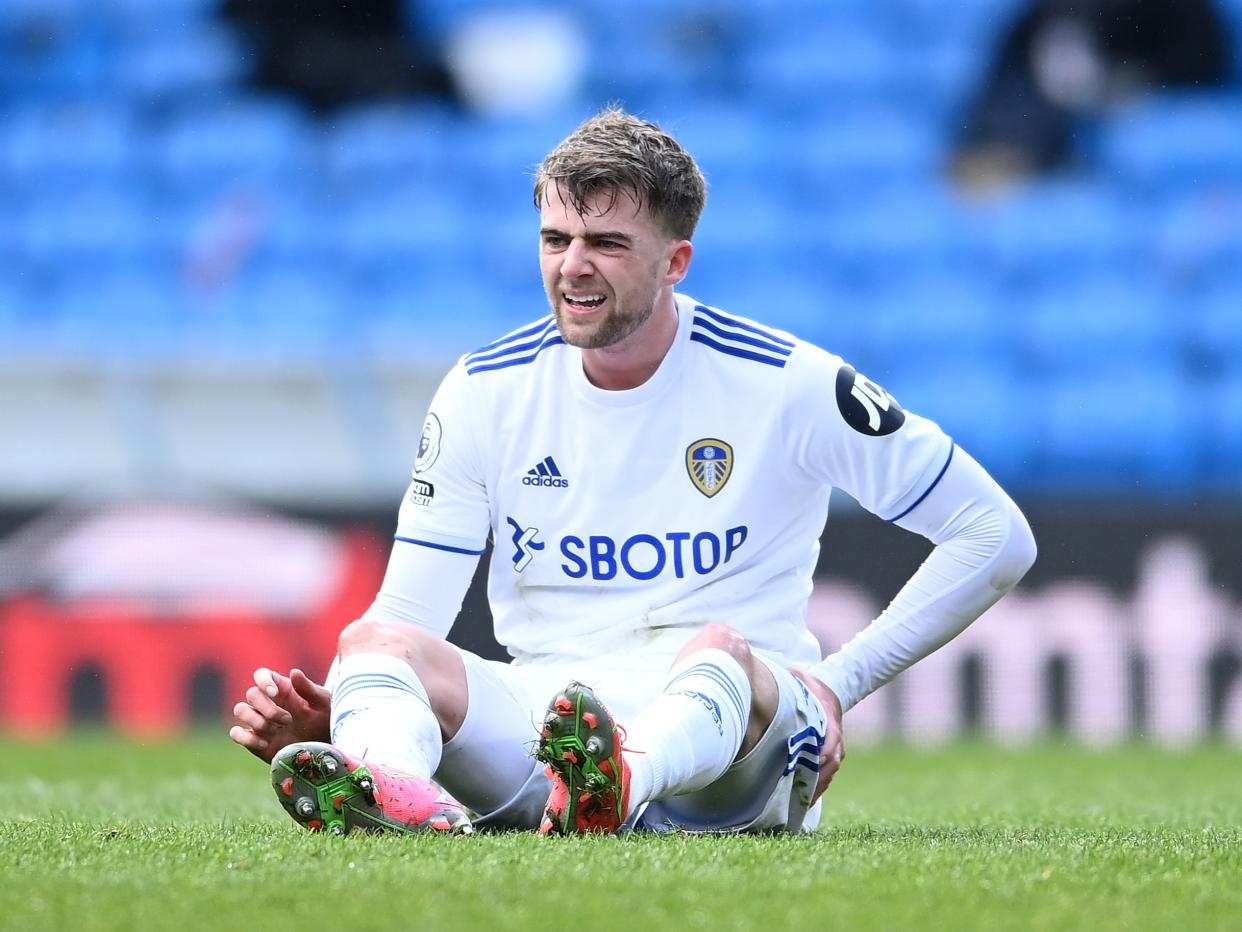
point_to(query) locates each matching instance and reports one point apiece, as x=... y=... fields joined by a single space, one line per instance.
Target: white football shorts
x=487 y=765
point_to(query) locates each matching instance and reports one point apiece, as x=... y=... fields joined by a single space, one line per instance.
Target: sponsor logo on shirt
x=422 y=492
x=646 y=556
x=545 y=473
x=709 y=463
x=526 y=544
x=867 y=407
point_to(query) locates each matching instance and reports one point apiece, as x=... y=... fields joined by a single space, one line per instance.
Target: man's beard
x=612 y=329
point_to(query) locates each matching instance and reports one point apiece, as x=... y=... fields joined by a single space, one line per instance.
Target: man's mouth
x=584 y=302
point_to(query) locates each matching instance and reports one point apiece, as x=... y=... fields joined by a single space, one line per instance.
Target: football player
x=654 y=474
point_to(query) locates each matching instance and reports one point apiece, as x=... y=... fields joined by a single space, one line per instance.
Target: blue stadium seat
x=158 y=12
x=279 y=314
x=506 y=251
x=1215 y=322
x=897 y=234
x=122 y=314
x=386 y=144
x=936 y=319
x=92 y=231
x=246 y=231
x=1095 y=320
x=298 y=233
x=934 y=76
x=410 y=228
x=16 y=14
x=67 y=145
x=51 y=54
x=871 y=149
x=180 y=63
x=1110 y=425
x=1176 y=141
x=665 y=58
x=1058 y=229
x=1197 y=235
x=264 y=141
x=1221 y=430
x=814 y=72
x=971 y=24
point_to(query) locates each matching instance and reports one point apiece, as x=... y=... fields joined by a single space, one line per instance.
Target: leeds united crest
x=710 y=463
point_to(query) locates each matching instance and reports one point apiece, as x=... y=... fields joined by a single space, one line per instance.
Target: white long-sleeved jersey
x=624 y=521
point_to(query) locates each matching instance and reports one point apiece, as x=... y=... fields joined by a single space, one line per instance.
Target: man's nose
x=577 y=260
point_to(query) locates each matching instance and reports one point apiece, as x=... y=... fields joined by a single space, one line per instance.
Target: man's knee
x=434 y=661
x=401 y=639
x=367 y=634
x=722 y=637
x=764 y=695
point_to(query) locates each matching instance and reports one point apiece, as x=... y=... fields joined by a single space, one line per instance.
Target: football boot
x=325 y=789
x=581 y=746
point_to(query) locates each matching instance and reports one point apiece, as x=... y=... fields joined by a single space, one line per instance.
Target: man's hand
x=833 y=752
x=280 y=710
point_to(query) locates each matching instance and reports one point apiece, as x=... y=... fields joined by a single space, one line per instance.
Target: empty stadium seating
x=1069 y=331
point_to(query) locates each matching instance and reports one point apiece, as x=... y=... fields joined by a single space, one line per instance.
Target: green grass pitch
x=97 y=834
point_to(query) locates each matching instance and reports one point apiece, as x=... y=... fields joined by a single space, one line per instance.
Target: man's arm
x=983 y=547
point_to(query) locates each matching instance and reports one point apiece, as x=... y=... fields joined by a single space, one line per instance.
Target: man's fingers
x=266 y=707
x=247 y=717
x=249 y=740
x=265 y=679
x=315 y=695
x=829 y=764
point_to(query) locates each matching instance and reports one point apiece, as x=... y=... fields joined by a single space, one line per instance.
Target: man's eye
x=609 y=244
x=554 y=241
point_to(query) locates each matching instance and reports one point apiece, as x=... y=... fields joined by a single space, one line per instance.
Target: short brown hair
x=615 y=152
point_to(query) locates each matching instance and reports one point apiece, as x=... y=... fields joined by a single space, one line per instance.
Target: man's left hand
x=833 y=751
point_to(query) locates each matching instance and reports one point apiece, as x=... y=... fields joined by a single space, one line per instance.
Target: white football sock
x=381 y=712
x=692 y=732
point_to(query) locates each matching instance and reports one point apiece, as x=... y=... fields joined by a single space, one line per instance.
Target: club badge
x=709 y=463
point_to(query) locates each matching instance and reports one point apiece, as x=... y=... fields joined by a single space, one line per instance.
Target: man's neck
x=635 y=359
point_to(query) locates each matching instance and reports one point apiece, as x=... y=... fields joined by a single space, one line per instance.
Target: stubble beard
x=612 y=329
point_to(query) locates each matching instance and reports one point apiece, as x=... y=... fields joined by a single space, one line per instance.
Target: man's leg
x=717 y=703
x=398 y=695
x=771 y=787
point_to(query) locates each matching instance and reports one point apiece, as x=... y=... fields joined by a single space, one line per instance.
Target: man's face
x=602 y=270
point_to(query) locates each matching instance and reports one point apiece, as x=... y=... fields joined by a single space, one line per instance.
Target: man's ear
x=679 y=262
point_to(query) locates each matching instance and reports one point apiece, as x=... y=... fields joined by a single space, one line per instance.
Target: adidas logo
x=545 y=473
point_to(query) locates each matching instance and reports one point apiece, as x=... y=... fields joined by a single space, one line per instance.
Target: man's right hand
x=279 y=710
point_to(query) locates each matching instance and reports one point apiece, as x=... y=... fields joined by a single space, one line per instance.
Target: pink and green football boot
x=581 y=745
x=326 y=790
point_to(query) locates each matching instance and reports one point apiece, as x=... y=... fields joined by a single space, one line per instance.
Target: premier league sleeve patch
x=709 y=463
x=429 y=444
x=867 y=407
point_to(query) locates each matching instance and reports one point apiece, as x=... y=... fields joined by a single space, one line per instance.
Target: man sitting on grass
x=655 y=475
